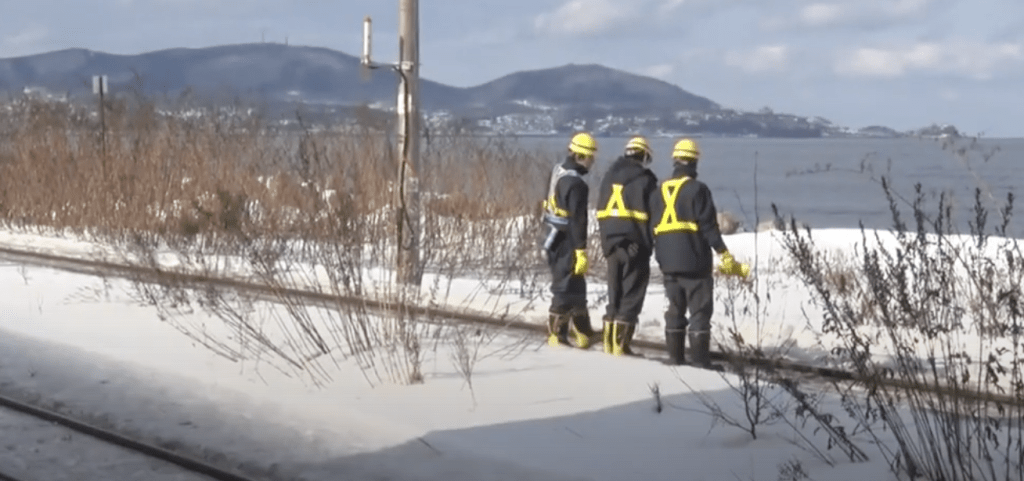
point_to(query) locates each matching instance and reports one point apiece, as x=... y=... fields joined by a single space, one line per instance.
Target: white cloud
x=703 y=8
x=871 y=62
x=852 y=12
x=669 y=6
x=925 y=55
x=765 y=58
x=661 y=71
x=26 y=41
x=821 y=13
x=966 y=59
x=145 y=3
x=904 y=8
x=584 y=17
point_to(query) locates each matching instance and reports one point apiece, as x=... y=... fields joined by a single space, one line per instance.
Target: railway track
x=784 y=368
x=94 y=449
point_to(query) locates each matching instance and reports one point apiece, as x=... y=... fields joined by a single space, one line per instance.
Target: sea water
x=837 y=182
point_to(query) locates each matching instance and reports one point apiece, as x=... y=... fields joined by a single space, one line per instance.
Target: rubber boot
x=624 y=332
x=608 y=331
x=700 y=351
x=675 y=343
x=558 y=330
x=580 y=330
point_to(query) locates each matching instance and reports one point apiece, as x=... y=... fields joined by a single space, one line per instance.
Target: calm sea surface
x=835 y=182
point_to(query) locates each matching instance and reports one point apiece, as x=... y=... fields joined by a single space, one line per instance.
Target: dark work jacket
x=571 y=195
x=620 y=228
x=683 y=252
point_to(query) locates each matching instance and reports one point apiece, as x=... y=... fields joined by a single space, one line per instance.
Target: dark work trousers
x=568 y=291
x=627 y=284
x=695 y=294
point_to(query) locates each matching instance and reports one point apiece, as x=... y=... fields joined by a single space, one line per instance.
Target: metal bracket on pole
x=366 y=60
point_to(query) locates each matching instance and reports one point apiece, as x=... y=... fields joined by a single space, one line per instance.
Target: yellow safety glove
x=580 y=265
x=730 y=267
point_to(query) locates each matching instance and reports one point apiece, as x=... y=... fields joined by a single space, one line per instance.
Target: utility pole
x=407 y=190
x=99 y=86
x=409 y=270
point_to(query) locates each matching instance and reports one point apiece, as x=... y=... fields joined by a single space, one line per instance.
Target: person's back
x=624 y=197
x=566 y=215
x=566 y=205
x=684 y=223
x=623 y=218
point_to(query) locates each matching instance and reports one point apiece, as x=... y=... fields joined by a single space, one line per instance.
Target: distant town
x=546 y=122
x=725 y=123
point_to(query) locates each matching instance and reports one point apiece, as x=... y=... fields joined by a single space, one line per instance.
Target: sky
x=528 y=412
x=904 y=64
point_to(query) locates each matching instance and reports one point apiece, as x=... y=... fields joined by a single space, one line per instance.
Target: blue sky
x=899 y=63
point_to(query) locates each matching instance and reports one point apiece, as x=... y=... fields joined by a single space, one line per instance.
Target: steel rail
x=270 y=293
x=183 y=461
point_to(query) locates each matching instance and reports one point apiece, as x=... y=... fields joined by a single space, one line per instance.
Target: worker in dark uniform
x=565 y=213
x=684 y=224
x=626 y=241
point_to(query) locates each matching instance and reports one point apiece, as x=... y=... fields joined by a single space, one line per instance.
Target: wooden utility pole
x=407 y=187
x=99 y=86
x=409 y=269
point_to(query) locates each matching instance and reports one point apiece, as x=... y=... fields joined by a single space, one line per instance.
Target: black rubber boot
x=675 y=343
x=624 y=332
x=581 y=333
x=700 y=351
x=607 y=332
x=558 y=330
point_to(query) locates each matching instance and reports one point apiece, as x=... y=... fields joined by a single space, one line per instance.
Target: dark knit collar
x=685 y=169
x=571 y=164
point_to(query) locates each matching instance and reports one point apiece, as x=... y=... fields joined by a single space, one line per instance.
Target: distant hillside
x=275 y=72
x=587 y=85
x=269 y=72
x=329 y=85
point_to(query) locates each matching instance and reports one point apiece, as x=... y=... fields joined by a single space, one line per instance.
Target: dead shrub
x=283 y=202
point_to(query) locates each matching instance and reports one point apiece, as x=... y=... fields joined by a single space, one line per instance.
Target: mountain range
x=560 y=98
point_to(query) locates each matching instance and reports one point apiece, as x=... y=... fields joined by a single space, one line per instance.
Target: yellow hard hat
x=686 y=149
x=638 y=144
x=583 y=144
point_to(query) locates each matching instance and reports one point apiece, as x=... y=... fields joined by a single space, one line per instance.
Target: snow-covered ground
x=37 y=449
x=531 y=412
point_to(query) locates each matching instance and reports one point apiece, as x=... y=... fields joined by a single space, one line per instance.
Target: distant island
x=326 y=86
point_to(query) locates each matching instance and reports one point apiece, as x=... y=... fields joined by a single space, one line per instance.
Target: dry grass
x=223 y=194
x=937 y=311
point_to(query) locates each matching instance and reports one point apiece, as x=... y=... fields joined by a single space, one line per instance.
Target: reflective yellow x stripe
x=550 y=206
x=670 y=219
x=617 y=208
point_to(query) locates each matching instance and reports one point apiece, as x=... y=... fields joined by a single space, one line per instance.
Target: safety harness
x=616 y=208
x=556 y=217
x=670 y=219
